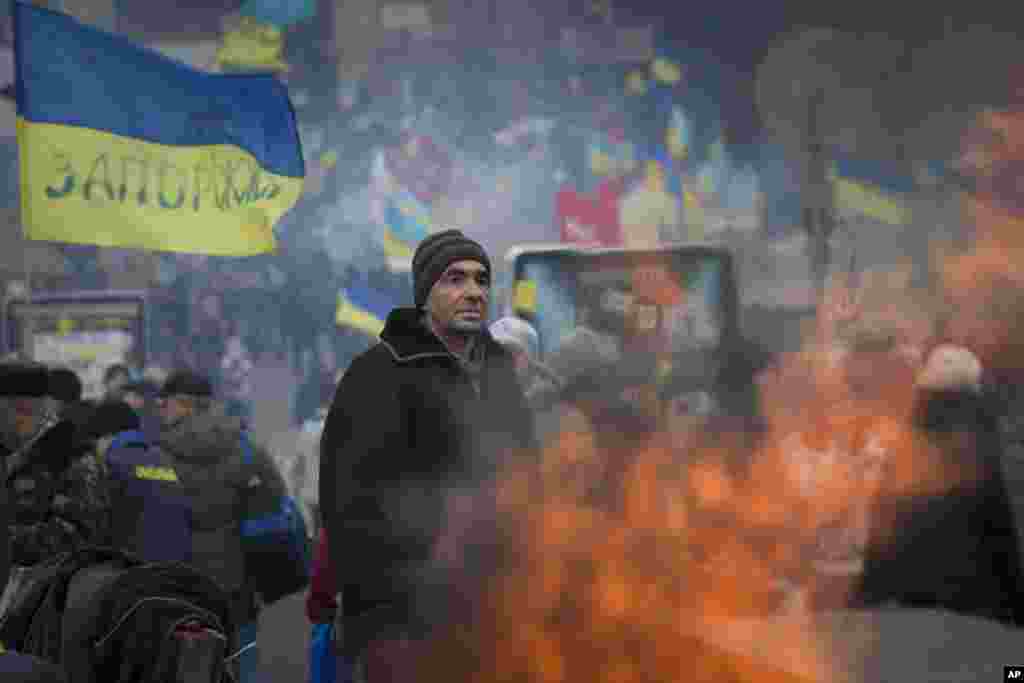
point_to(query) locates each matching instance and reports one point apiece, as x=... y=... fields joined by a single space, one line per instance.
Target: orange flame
x=654 y=560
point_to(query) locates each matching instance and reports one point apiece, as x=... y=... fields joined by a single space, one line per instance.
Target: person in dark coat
x=418 y=423
x=958 y=549
x=57 y=486
x=15 y=667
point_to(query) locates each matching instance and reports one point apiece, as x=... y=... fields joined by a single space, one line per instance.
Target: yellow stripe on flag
x=348 y=315
x=86 y=186
x=871 y=202
x=395 y=248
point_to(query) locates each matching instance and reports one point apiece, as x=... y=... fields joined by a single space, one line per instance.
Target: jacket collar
x=408 y=338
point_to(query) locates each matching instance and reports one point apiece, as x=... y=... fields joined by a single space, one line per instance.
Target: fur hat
x=435 y=254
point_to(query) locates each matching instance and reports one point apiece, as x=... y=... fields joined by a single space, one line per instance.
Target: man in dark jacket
x=955 y=549
x=418 y=423
x=206 y=449
x=57 y=487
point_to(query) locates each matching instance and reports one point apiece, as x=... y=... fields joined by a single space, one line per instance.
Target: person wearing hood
x=206 y=448
x=419 y=424
x=956 y=549
x=521 y=340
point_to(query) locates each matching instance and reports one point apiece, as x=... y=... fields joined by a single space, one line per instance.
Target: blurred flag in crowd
x=407 y=221
x=253 y=45
x=362 y=308
x=421 y=165
x=715 y=171
x=868 y=189
x=650 y=213
x=666 y=70
x=279 y=13
x=677 y=137
x=404 y=219
x=636 y=83
x=590 y=219
x=610 y=154
x=695 y=217
x=122 y=147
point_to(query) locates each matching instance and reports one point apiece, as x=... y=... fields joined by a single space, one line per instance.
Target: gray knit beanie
x=435 y=254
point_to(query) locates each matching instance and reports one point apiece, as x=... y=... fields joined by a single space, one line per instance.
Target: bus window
x=674 y=299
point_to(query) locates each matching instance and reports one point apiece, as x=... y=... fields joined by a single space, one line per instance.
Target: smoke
x=631 y=555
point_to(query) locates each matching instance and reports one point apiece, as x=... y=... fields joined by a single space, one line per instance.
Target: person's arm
x=82 y=511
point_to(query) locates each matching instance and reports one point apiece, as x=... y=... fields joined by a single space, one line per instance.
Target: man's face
x=458 y=301
x=173 y=409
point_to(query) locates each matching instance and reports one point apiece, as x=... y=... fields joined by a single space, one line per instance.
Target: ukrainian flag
x=867 y=189
x=122 y=147
x=362 y=308
x=678 y=134
x=408 y=223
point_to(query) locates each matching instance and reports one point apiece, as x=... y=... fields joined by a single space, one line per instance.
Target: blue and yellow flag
x=868 y=189
x=408 y=223
x=678 y=134
x=362 y=308
x=122 y=147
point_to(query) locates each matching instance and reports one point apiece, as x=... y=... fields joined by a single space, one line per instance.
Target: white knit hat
x=512 y=331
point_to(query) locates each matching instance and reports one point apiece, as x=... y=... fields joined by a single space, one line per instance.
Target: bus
x=696 y=308
x=684 y=296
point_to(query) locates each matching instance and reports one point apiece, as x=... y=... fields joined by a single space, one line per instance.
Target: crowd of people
x=423 y=432
x=155 y=471
x=887 y=424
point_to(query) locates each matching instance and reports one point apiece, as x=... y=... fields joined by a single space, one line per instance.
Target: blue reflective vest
x=151 y=511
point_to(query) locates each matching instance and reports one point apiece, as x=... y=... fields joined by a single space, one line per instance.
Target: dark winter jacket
x=956 y=550
x=407 y=426
x=207 y=453
x=59 y=497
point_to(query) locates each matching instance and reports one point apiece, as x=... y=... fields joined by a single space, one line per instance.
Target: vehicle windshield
x=670 y=299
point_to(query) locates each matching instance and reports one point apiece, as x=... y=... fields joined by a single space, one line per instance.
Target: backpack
x=151 y=513
x=275 y=540
x=105 y=616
